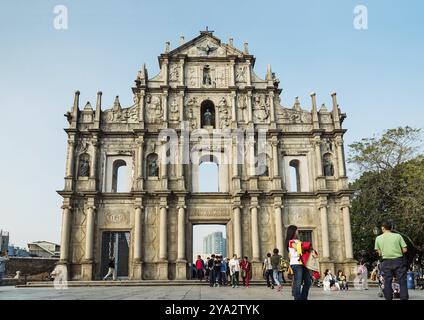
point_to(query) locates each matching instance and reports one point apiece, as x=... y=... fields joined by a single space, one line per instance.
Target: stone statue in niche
x=241 y=74
x=207 y=79
x=327 y=146
x=243 y=108
x=328 y=165
x=174 y=112
x=174 y=74
x=207 y=118
x=153 y=168
x=84 y=167
x=260 y=108
x=263 y=170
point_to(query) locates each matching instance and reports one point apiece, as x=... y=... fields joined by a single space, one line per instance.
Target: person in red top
x=246 y=269
x=200 y=266
x=299 y=253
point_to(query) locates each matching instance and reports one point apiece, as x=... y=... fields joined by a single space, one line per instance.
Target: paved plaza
x=184 y=293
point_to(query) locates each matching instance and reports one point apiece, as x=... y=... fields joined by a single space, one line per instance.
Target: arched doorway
x=207 y=113
x=208 y=177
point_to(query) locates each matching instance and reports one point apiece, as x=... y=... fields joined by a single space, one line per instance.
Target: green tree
x=391 y=186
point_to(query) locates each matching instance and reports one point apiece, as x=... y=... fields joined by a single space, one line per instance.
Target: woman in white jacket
x=234 y=266
x=329 y=282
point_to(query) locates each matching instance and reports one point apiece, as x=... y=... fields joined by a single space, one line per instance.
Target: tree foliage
x=386 y=152
x=391 y=187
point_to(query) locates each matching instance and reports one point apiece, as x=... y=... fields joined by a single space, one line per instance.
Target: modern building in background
x=215 y=243
x=14 y=251
x=4 y=241
x=43 y=249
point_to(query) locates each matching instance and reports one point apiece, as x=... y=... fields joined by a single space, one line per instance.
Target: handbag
x=313 y=262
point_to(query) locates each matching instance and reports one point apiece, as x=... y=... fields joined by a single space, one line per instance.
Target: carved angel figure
x=240 y=74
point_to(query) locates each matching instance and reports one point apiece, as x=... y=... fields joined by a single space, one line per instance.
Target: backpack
x=284 y=265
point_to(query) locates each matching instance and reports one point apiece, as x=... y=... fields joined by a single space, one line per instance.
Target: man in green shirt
x=391 y=247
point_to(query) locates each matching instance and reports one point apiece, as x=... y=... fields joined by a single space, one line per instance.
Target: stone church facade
x=276 y=166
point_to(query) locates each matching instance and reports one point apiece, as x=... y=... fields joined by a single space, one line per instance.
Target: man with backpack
x=284 y=267
x=200 y=266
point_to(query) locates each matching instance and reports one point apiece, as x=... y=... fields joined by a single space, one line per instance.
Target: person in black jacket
x=212 y=278
x=111 y=270
x=217 y=271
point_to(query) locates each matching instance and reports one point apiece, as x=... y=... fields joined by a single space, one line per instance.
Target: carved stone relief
x=154 y=109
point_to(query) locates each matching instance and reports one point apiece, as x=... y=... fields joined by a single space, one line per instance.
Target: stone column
x=70 y=157
x=232 y=78
x=163 y=165
x=340 y=158
x=89 y=238
x=87 y=265
x=138 y=235
x=324 y=232
x=237 y=230
x=255 y=230
x=165 y=71
x=66 y=232
x=347 y=232
x=275 y=159
x=140 y=163
x=163 y=232
x=249 y=106
x=318 y=161
x=162 y=264
x=271 y=106
x=181 y=80
x=248 y=74
x=165 y=105
x=233 y=107
x=278 y=224
x=181 y=104
x=137 y=272
x=141 y=107
x=251 y=144
x=181 y=267
x=93 y=171
x=181 y=252
x=235 y=158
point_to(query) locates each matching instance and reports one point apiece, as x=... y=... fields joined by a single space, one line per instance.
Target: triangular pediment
x=206 y=45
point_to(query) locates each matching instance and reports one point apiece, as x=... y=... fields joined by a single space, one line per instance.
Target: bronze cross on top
x=207 y=30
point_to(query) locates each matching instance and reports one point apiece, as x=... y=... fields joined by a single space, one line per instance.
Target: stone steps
x=143 y=283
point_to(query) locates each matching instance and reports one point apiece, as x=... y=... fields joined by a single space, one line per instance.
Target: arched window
x=152 y=165
x=207 y=112
x=208 y=175
x=120 y=182
x=327 y=164
x=262 y=168
x=84 y=165
x=294 y=176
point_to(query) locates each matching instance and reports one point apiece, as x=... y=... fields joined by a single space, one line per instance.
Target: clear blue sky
x=311 y=45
